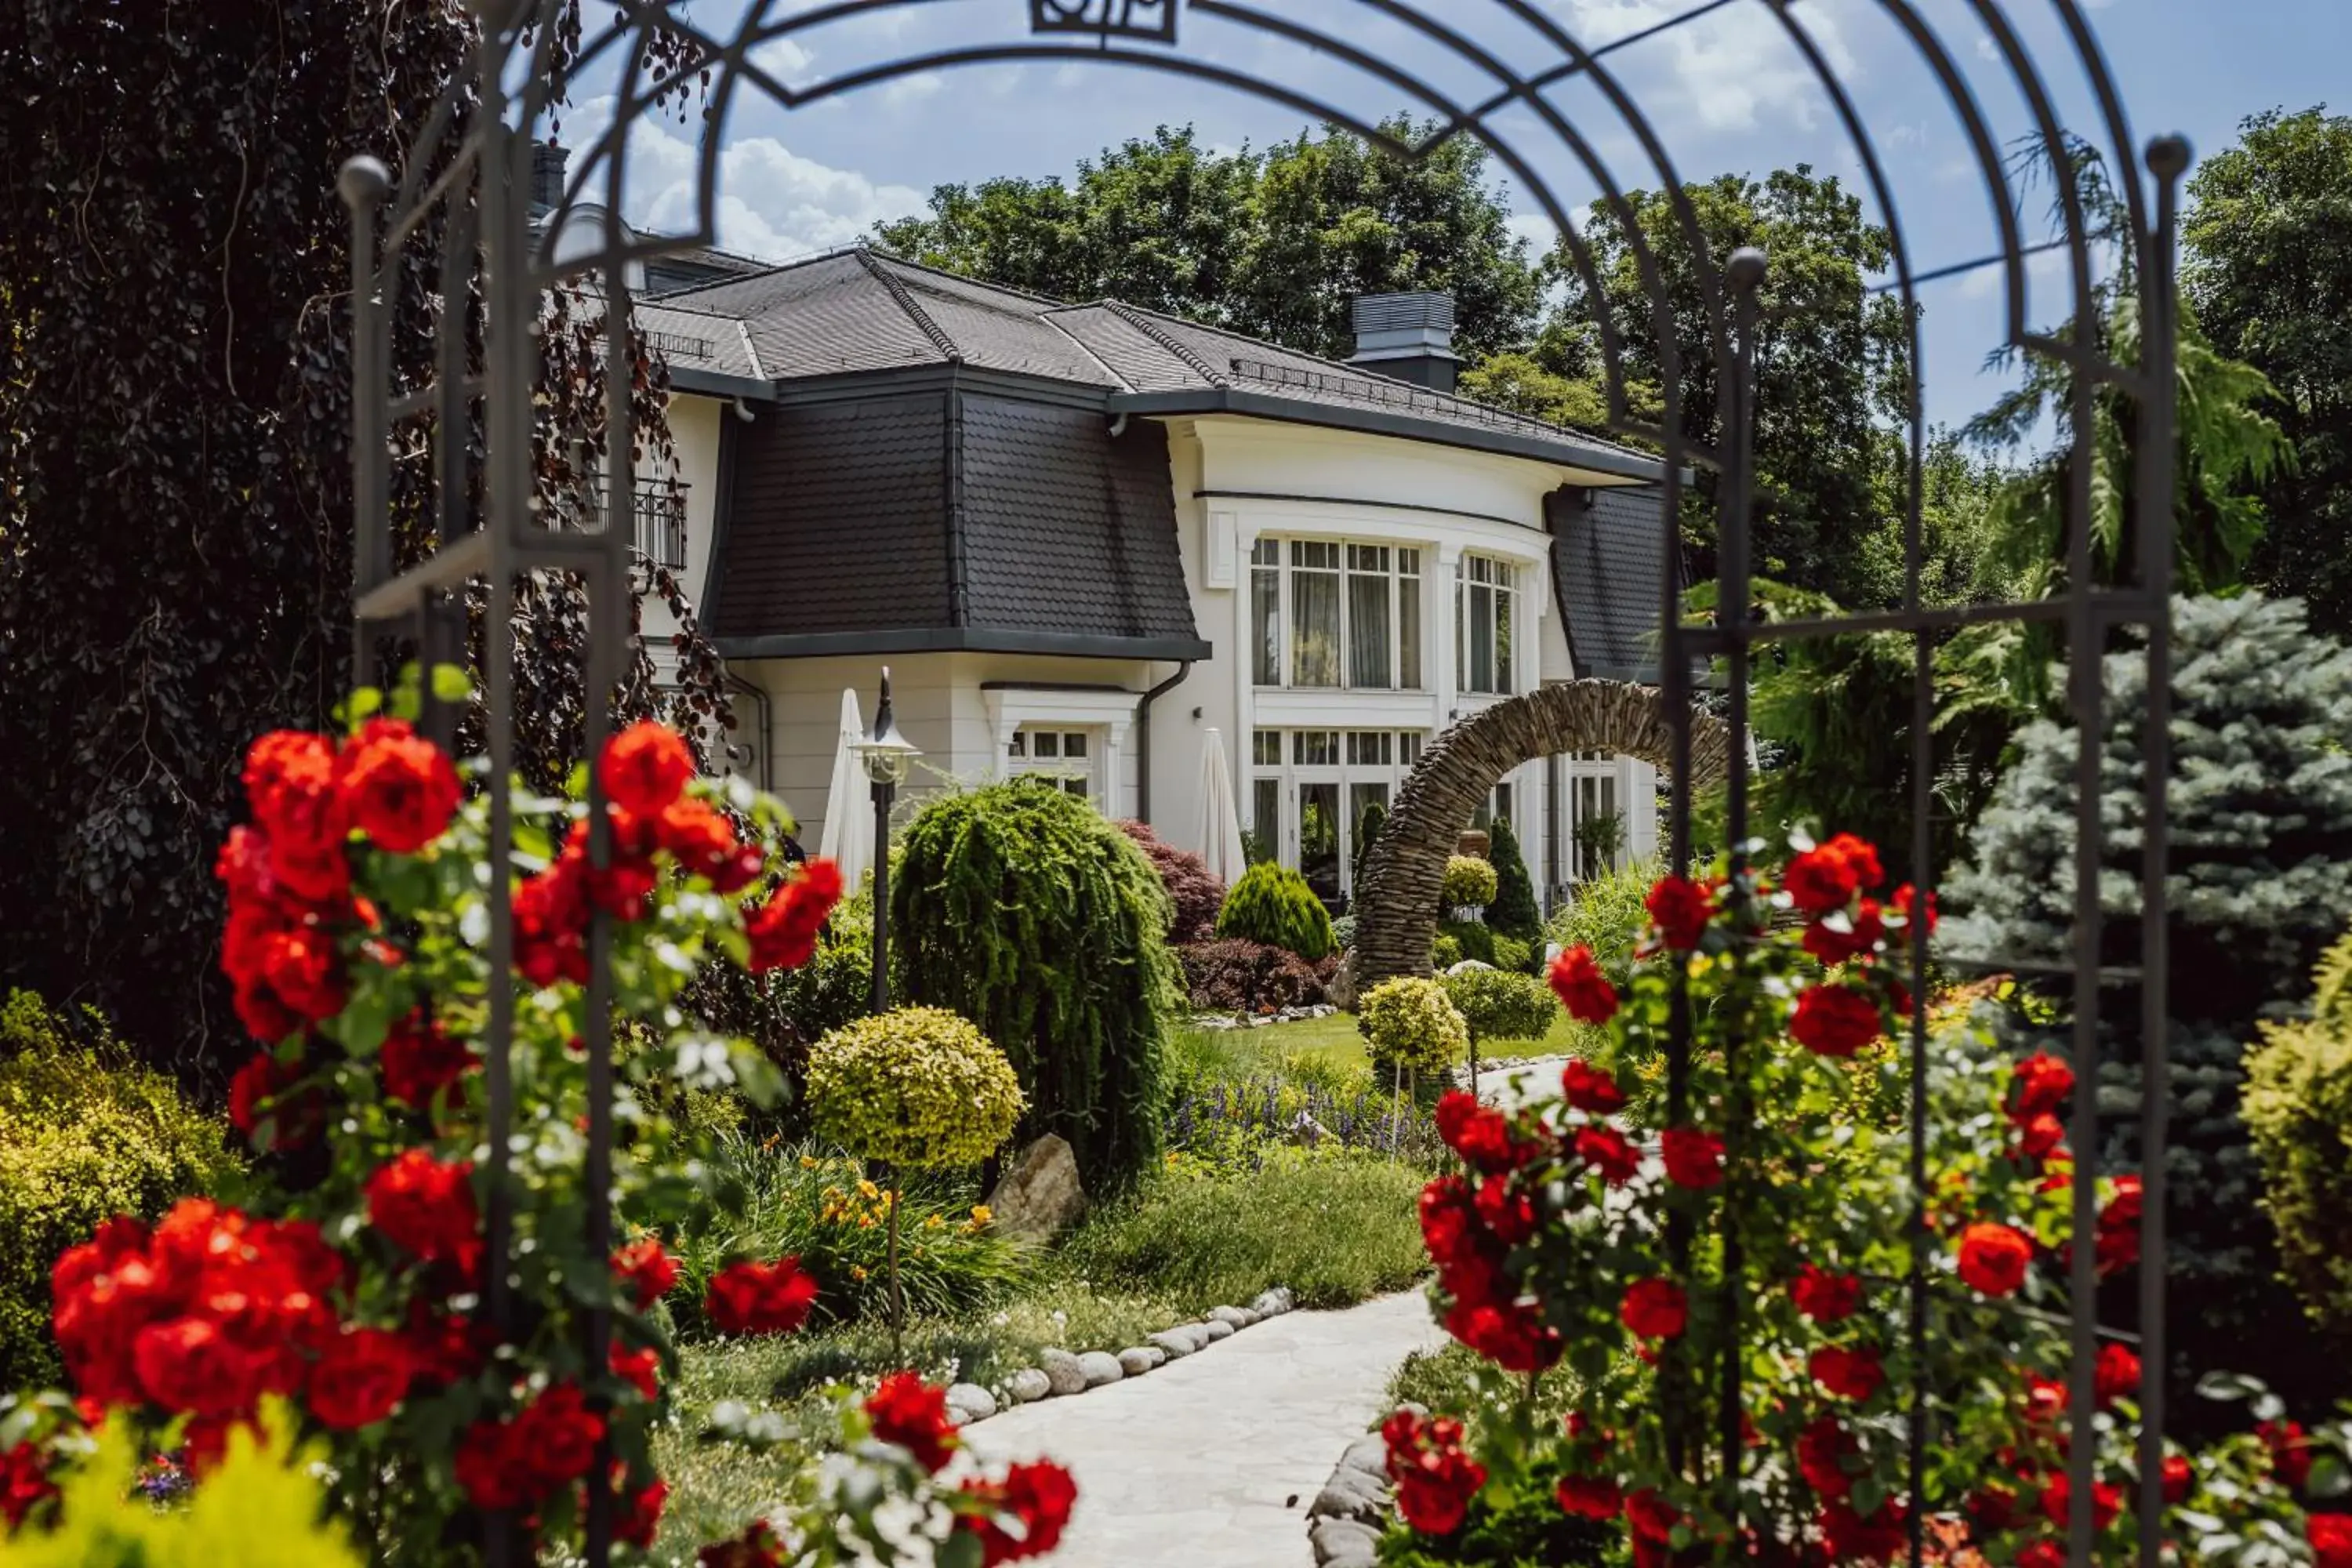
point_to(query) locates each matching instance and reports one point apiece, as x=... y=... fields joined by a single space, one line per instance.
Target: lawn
x=1335 y=1042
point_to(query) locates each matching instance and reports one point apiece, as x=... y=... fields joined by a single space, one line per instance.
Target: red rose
x=1823 y=1450
x=1651 y=1517
x=638 y=1519
x=360 y=1379
x=645 y=767
x=1435 y=1478
x=2040 y=1086
x=1589 y=1497
x=1511 y=1215
x=759 y=1298
x=1590 y=1091
x=494 y=1472
x=443 y=1347
x=1876 y=1537
x=1582 y=989
x=291 y=783
x=757 y=1547
x=1852 y=1375
x=2037 y=1136
x=1994 y=1257
x=398 y=788
x=420 y=1059
x=1834 y=1020
x=2117 y=1241
x=25 y=1483
x=2117 y=1374
x=1680 y=909
x=2290 y=1452
x=1993 y=1509
x=703 y=842
x=1819 y=880
x=1606 y=1151
x=1449 y=1220
x=2181 y=1480
x=1824 y=1297
x=189 y=1367
x=784 y=930
x=647 y=1271
x=2330 y=1535
x=1512 y=1336
x=425 y=1206
x=1694 y=1159
x=910 y=1414
x=2058 y=1498
x=2042 y=1554
x=2045 y=1401
x=640 y=1369
x=260 y=1107
x=560 y=1434
x=1037 y=1497
x=1904 y=897
x=1861 y=934
x=1480 y=1134
x=1655 y=1309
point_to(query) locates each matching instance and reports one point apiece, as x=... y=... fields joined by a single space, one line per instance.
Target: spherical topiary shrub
x=918 y=1088
x=1408 y=1023
x=1020 y=908
x=1273 y=905
x=1192 y=887
x=1496 y=1004
x=1469 y=883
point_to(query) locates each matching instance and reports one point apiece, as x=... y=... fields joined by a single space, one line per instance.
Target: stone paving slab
x=1191 y=1465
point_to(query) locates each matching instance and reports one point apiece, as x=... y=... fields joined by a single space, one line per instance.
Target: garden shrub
x=1445 y=951
x=1517 y=956
x=1193 y=890
x=1273 y=905
x=1496 y=1004
x=2260 y=884
x=2298 y=1107
x=1513 y=912
x=1368 y=833
x=1410 y=1024
x=1472 y=938
x=1469 y=883
x=1604 y=914
x=1237 y=976
x=1019 y=908
x=86 y=1133
x=913 y=1086
x=1343 y=933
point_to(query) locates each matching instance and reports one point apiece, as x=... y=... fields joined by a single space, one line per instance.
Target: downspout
x=758 y=694
x=1143 y=740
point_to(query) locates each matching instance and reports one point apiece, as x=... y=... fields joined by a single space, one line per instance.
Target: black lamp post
x=886 y=754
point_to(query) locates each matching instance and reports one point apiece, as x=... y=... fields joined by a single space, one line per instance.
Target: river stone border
x=1349 y=1515
x=969 y=1402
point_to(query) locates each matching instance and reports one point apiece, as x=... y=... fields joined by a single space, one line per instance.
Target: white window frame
x=1104 y=717
x=1288 y=772
x=1282 y=546
x=1505 y=579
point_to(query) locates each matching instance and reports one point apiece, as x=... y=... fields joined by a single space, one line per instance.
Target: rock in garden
x=1341 y=987
x=1352 y=1494
x=1468 y=965
x=1344 y=1543
x=1099 y=1367
x=1029 y=1386
x=1139 y=1359
x=1232 y=1316
x=1217 y=1331
x=1039 y=1197
x=1274 y=1302
x=1180 y=1340
x=1063 y=1371
x=968 y=1403
x=1369 y=1454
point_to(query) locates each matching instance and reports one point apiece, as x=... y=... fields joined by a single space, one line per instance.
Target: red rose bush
x=1593 y=1232
x=352 y=1284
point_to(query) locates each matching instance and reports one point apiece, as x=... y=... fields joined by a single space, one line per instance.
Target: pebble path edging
x=1064 y=1375
x=1345 y=1522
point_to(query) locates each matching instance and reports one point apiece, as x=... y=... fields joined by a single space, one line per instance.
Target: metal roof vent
x=1408 y=336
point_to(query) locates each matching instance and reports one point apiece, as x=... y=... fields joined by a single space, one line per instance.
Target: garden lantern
x=886 y=754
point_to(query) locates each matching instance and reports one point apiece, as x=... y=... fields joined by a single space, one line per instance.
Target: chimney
x=1408 y=336
x=546 y=162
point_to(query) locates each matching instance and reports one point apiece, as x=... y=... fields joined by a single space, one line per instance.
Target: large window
x=1065 y=756
x=1309 y=790
x=1485 y=623
x=1325 y=614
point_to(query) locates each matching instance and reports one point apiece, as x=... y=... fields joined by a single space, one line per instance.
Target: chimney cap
x=1420 y=310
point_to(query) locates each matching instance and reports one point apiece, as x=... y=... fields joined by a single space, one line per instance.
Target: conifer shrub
x=1513 y=912
x=85 y=1134
x=1496 y=1004
x=2298 y=1107
x=1469 y=883
x=1273 y=905
x=1410 y=1024
x=1193 y=888
x=1368 y=833
x=1019 y=908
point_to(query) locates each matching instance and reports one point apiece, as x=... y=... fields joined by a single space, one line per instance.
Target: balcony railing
x=657 y=514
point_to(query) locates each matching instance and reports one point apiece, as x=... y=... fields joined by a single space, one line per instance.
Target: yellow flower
x=981 y=1214
x=858 y=1272
x=865 y=1222
x=808 y=1162
x=868 y=1191
x=933 y=1223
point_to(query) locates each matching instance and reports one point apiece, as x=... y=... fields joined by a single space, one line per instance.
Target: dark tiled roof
x=1607 y=556
x=861 y=311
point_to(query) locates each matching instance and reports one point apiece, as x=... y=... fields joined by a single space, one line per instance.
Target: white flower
x=1060 y=1318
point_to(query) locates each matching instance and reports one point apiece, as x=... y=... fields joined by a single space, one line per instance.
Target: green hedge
x=1273 y=906
x=1499 y=1005
x=85 y=1134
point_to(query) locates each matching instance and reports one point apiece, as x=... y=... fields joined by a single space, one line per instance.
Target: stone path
x=1519 y=1083
x=1191 y=1466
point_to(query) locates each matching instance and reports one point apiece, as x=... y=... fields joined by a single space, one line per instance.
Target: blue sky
x=1728 y=92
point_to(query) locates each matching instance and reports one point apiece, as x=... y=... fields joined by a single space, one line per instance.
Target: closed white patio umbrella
x=848 y=836
x=1221 y=820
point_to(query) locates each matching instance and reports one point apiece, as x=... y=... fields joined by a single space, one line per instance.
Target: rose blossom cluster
x=1436 y=1476
x=1020 y=1515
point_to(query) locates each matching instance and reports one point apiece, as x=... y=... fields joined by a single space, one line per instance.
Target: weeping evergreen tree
x=1022 y=909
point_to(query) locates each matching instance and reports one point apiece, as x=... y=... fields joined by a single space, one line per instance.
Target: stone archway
x=1399 y=899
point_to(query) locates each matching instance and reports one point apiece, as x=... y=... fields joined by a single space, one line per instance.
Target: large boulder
x=1039 y=1197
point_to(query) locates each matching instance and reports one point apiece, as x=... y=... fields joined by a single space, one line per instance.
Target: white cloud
x=1730 y=70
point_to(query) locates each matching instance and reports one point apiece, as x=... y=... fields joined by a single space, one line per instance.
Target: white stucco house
x=1082 y=536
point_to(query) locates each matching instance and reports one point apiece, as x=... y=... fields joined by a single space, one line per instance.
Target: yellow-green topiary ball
x=1469 y=883
x=1411 y=1024
x=918 y=1087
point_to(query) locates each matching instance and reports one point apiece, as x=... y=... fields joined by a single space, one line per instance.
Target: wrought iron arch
x=456 y=189
x=1399 y=899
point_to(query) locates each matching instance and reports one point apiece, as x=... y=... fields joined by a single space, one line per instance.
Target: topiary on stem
x=1513 y=912
x=915 y=1089
x=1273 y=905
x=1021 y=909
x=1469 y=883
x=1408 y=1024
